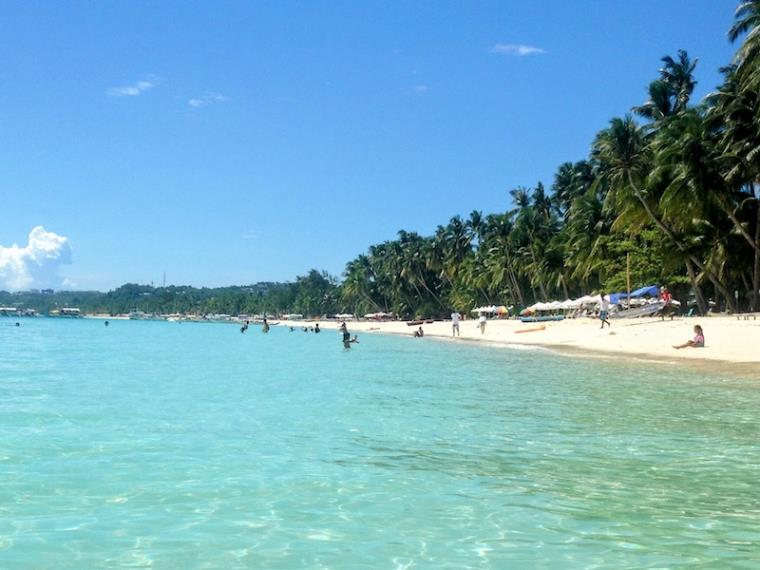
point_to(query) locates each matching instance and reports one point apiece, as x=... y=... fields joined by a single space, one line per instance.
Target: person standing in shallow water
x=265 y=326
x=316 y=328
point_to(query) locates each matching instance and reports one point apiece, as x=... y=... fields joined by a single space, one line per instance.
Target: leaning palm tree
x=625 y=163
x=733 y=114
x=747 y=24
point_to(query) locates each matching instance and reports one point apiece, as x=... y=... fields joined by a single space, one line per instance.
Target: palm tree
x=625 y=163
x=747 y=24
x=733 y=114
x=678 y=75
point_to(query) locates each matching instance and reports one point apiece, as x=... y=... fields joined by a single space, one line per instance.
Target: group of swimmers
x=347 y=339
x=264 y=326
x=314 y=329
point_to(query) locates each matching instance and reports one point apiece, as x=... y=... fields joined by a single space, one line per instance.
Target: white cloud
x=132 y=90
x=249 y=234
x=516 y=49
x=207 y=99
x=420 y=89
x=36 y=265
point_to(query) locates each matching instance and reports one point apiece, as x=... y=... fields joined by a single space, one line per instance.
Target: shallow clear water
x=193 y=446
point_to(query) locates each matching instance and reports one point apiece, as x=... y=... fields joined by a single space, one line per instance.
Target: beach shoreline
x=732 y=346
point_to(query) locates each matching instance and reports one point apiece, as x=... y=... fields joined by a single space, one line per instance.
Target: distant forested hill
x=315 y=293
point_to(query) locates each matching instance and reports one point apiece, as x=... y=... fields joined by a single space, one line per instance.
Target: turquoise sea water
x=163 y=445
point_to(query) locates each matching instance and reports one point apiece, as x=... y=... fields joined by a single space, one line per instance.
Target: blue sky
x=234 y=142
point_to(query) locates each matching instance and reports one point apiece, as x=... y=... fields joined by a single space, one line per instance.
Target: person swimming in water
x=316 y=328
x=244 y=327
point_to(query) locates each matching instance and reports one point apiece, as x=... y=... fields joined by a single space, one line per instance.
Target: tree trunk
x=742 y=230
x=518 y=289
x=668 y=232
x=564 y=285
x=540 y=283
x=701 y=303
x=436 y=297
x=756 y=270
x=723 y=290
x=513 y=278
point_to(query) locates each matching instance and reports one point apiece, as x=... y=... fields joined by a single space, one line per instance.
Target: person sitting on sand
x=697 y=342
x=419 y=333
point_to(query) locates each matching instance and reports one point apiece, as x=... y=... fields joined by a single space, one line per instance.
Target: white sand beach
x=730 y=343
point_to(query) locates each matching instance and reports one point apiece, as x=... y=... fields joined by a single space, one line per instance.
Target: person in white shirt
x=482 y=323
x=604 y=307
x=455 y=323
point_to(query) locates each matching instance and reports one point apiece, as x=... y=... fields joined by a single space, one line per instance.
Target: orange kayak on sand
x=534 y=329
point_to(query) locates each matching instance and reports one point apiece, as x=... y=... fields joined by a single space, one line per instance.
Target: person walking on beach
x=697 y=342
x=482 y=323
x=455 y=317
x=604 y=307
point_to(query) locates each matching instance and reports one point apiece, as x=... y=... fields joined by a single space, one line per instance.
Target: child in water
x=348 y=342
